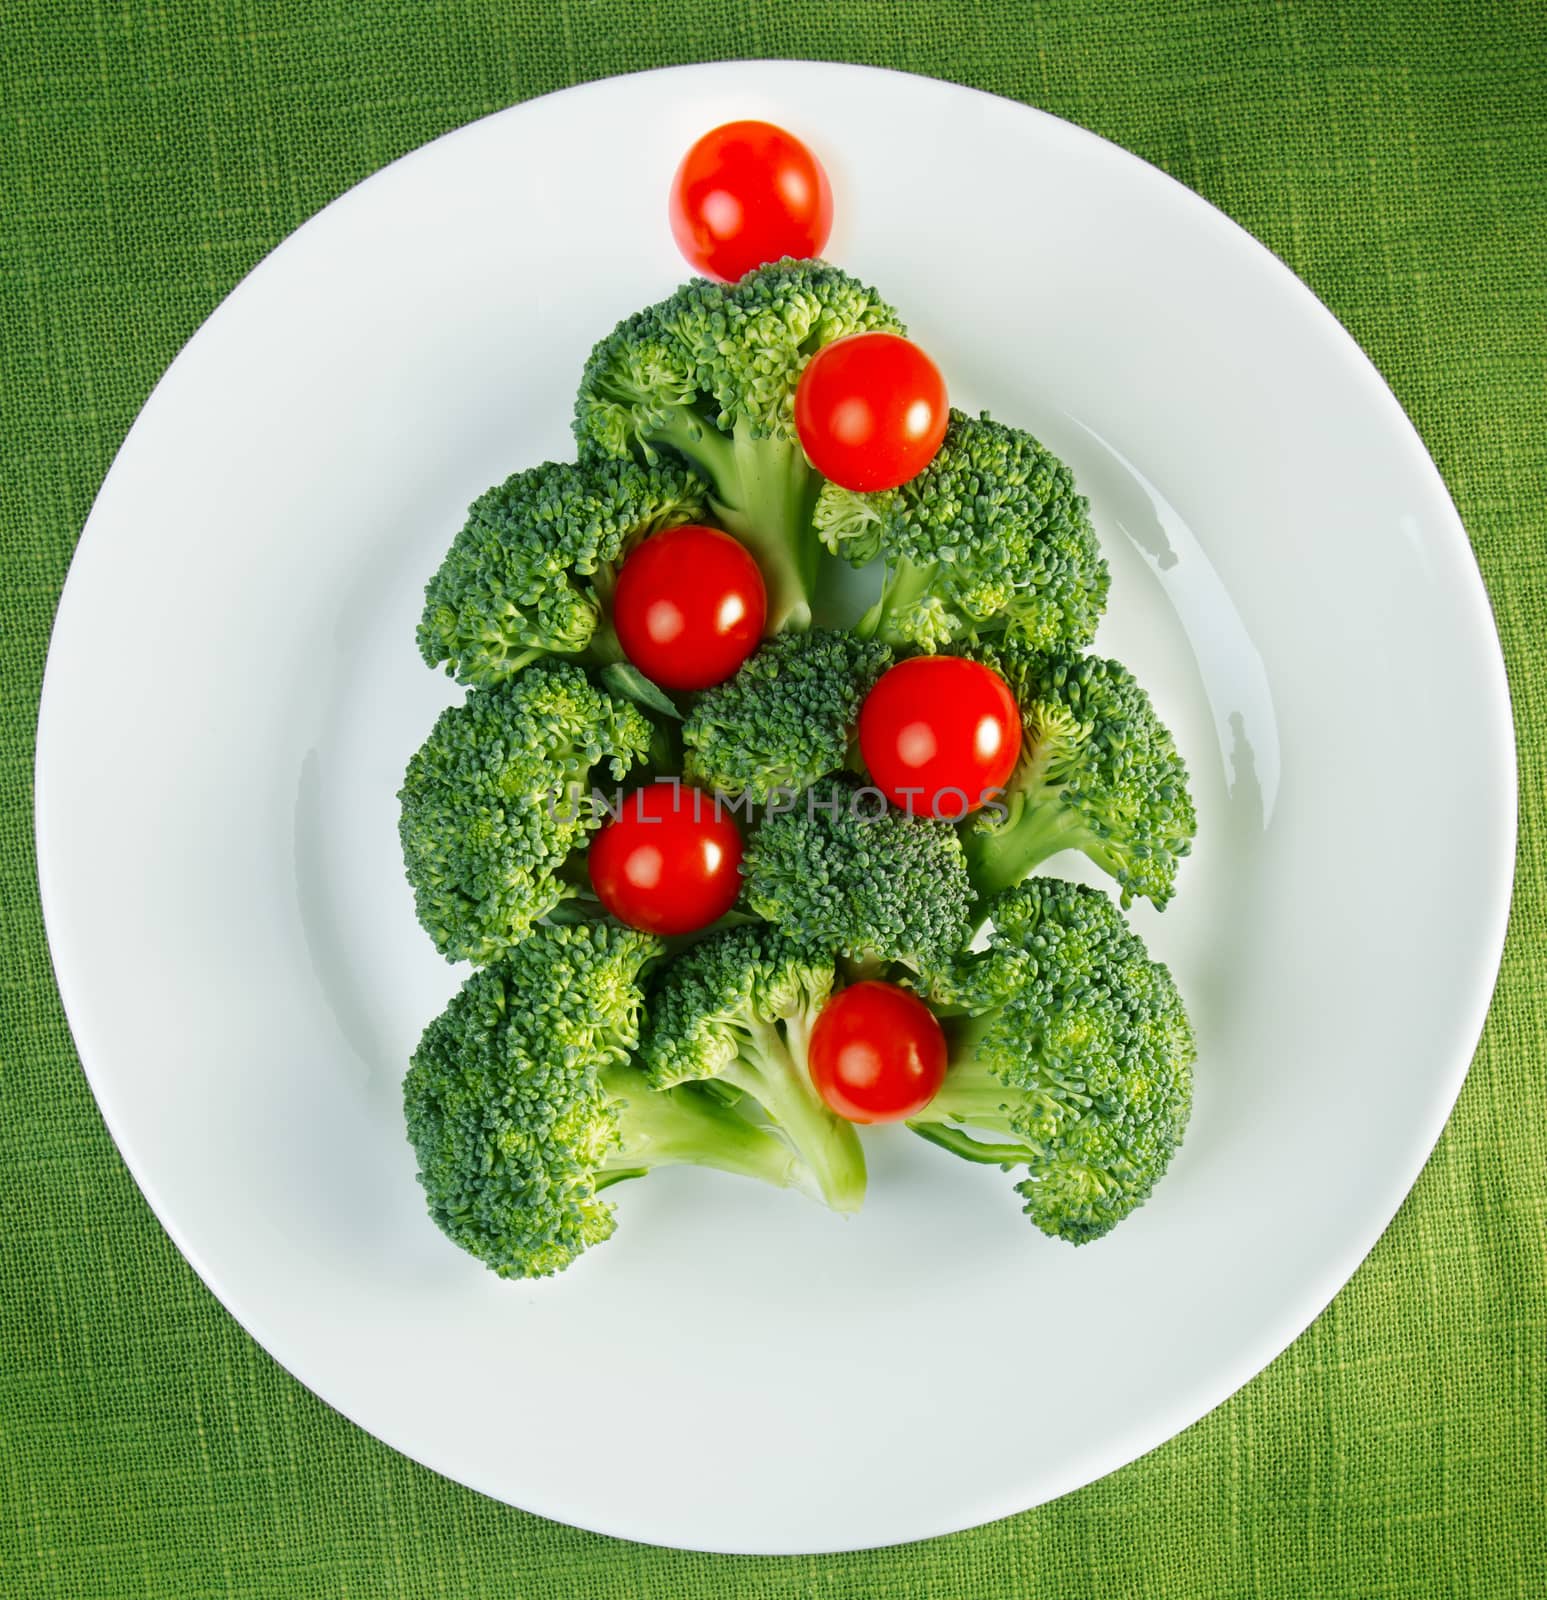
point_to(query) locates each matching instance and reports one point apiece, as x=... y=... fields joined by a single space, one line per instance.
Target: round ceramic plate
x=233 y=691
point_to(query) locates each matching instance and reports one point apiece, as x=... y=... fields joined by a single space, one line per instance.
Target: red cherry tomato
x=940 y=735
x=871 y=410
x=747 y=193
x=689 y=607
x=670 y=863
x=877 y=1053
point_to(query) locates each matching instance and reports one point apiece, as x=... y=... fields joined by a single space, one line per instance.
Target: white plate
x=233 y=690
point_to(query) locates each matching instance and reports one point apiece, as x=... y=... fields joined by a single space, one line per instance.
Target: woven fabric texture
x=1396 y=156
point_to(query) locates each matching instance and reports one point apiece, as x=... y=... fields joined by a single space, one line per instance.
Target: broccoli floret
x=1077 y=1064
x=532 y=571
x=841 y=871
x=498 y=796
x=990 y=538
x=522 y=1107
x=1098 y=772
x=737 y=1011
x=786 y=718
x=708 y=377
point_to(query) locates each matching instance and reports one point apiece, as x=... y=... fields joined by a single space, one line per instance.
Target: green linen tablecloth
x=1395 y=156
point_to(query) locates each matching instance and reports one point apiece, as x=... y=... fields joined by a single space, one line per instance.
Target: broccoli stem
x=772 y=1069
x=1037 y=827
x=974 y=1096
x=862 y=968
x=604 y=647
x=970 y=1093
x=905 y=586
x=664 y=757
x=764 y=492
x=770 y=511
x=681 y=1127
x=961 y=1143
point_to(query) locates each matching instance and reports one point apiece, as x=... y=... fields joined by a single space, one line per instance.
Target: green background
x=1394 y=156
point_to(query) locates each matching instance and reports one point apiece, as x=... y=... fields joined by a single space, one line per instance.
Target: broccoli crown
x=728 y=354
x=724 y=992
x=1099 y=772
x=786 y=718
x=990 y=538
x=1083 y=1058
x=490 y=804
x=843 y=872
x=737 y=1009
x=708 y=377
x=530 y=572
x=505 y=1099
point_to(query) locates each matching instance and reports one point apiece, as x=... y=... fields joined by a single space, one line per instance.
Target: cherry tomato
x=689 y=607
x=871 y=410
x=877 y=1053
x=747 y=193
x=670 y=862
x=940 y=735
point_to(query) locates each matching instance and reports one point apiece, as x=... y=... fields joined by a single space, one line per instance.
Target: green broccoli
x=786 y=718
x=841 y=871
x=1077 y=1063
x=1098 y=772
x=521 y=1105
x=531 y=573
x=737 y=1011
x=708 y=377
x=496 y=799
x=990 y=538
